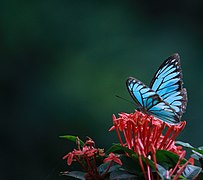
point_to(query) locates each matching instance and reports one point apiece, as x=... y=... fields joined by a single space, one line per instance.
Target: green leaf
x=75 y=174
x=133 y=156
x=191 y=171
x=73 y=138
x=167 y=159
x=131 y=165
x=118 y=147
x=131 y=153
x=114 y=148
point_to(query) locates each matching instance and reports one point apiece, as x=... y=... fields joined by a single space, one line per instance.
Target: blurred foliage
x=63 y=62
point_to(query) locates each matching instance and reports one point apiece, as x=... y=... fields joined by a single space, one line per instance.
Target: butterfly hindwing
x=150 y=102
x=167 y=83
x=163 y=110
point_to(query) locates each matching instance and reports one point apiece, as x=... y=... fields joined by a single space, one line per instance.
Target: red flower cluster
x=88 y=152
x=144 y=134
x=87 y=158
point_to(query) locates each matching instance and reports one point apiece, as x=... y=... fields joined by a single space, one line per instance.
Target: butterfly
x=165 y=98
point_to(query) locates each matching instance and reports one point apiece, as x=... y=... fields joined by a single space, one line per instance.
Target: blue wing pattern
x=165 y=98
x=140 y=92
x=150 y=102
x=168 y=84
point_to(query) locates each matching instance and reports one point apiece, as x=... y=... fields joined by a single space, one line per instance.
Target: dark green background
x=63 y=62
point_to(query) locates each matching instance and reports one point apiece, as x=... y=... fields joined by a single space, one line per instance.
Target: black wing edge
x=185 y=99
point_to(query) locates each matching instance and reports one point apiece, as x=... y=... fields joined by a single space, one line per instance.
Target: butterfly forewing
x=167 y=83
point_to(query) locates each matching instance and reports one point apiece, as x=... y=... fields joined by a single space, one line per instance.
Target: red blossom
x=144 y=130
x=113 y=157
x=145 y=134
x=69 y=157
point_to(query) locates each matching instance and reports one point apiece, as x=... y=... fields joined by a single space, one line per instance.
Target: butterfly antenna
x=126 y=100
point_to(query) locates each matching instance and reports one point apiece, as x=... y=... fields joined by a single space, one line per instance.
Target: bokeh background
x=63 y=62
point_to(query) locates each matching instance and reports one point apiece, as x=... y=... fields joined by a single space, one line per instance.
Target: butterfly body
x=165 y=98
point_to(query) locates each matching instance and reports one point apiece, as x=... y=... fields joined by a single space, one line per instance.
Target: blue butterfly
x=165 y=98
